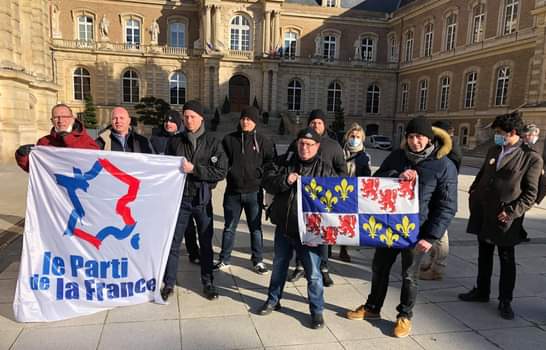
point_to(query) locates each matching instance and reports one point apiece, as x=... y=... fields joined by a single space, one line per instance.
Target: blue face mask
x=499 y=140
x=354 y=142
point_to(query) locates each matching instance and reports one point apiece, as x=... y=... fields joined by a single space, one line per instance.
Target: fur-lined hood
x=442 y=140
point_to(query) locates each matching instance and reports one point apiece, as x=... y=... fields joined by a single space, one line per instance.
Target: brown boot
x=430 y=275
x=361 y=313
x=402 y=327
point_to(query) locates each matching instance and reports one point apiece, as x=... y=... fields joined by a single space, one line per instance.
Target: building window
x=329 y=47
x=478 y=23
x=451 y=31
x=503 y=78
x=240 y=33
x=177 y=34
x=132 y=33
x=177 y=87
x=330 y=3
x=429 y=32
x=423 y=95
x=334 y=97
x=470 y=93
x=444 y=93
x=130 y=87
x=290 y=41
x=393 y=49
x=510 y=16
x=85 y=28
x=463 y=136
x=367 y=49
x=409 y=46
x=82 y=84
x=372 y=100
x=294 y=95
x=404 y=98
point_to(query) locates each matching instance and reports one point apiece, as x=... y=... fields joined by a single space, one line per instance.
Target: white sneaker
x=260 y=268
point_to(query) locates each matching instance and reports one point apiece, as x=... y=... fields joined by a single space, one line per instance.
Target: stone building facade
x=382 y=61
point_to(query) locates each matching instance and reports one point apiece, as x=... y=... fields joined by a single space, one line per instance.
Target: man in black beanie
x=331 y=153
x=204 y=164
x=247 y=151
x=420 y=160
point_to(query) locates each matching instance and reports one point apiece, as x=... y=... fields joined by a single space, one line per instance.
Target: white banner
x=98 y=230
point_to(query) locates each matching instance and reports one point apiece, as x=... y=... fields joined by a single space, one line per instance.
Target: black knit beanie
x=420 y=125
x=316 y=114
x=251 y=113
x=174 y=117
x=194 y=105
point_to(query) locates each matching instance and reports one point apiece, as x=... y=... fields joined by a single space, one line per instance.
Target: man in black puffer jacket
x=280 y=179
x=204 y=163
x=419 y=160
x=121 y=137
x=248 y=151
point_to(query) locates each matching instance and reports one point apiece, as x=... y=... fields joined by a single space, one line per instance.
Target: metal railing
x=125 y=47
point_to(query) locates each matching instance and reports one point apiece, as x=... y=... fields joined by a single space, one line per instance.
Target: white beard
x=68 y=130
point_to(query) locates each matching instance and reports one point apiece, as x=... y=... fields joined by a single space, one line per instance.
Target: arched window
x=329 y=47
x=423 y=95
x=503 y=78
x=451 y=31
x=429 y=33
x=130 y=87
x=463 y=136
x=85 y=28
x=478 y=23
x=470 y=93
x=510 y=16
x=82 y=84
x=334 y=97
x=367 y=48
x=240 y=33
x=177 y=87
x=404 y=98
x=177 y=34
x=294 y=95
x=372 y=99
x=409 y=46
x=290 y=42
x=444 y=93
x=132 y=33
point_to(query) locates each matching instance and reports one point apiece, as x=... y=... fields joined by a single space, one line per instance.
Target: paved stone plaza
x=192 y=322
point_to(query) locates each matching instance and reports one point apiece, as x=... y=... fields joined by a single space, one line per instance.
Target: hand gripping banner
x=358 y=211
x=98 y=231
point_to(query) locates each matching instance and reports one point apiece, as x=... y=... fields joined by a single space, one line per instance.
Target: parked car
x=379 y=142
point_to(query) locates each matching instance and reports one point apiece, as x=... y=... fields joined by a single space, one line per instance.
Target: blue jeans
x=234 y=203
x=310 y=257
x=190 y=209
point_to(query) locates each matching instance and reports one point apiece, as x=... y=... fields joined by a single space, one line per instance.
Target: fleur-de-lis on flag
x=372 y=227
x=328 y=200
x=344 y=189
x=389 y=238
x=405 y=227
x=313 y=189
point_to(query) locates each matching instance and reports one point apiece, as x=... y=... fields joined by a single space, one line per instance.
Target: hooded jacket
x=77 y=138
x=247 y=153
x=136 y=143
x=437 y=184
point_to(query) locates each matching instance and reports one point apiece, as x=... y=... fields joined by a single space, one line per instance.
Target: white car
x=379 y=142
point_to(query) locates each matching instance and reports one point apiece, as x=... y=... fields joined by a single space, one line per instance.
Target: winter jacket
x=246 y=162
x=209 y=160
x=284 y=209
x=136 y=143
x=160 y=140
x=437 y=185
x=330 y=151
x=362 y=163
x=512 y=188
x=77 y=138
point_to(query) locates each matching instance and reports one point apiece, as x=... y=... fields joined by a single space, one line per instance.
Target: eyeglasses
x=59 y=117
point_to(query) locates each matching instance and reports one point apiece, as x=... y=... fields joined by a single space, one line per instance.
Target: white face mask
x=355 y=141
x=533 y=140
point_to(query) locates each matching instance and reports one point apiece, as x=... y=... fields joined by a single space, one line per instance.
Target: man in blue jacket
x=437 y=176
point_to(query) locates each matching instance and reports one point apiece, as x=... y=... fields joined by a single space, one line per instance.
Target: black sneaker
x=296 y=275
x=505 y=310
x=166 y=292
x=326 y=279
x=268 y=308
x=260 y=268
x=474 y=296
x=317 y=321
x=210 y=291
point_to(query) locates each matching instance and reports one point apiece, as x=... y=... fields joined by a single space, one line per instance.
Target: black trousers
x=507 y=279
x=383 y=260
x=190 y=239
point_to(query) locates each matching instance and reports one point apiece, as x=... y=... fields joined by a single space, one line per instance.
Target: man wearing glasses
x=67 y=131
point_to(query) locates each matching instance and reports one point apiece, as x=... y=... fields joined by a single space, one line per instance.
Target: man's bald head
x=121 y=120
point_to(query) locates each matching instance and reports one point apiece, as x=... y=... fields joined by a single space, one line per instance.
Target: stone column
x=265 y=92
x=274 y=92
x=207 y=25
x=218 y=45
x=267 y=30
x=276 y=30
